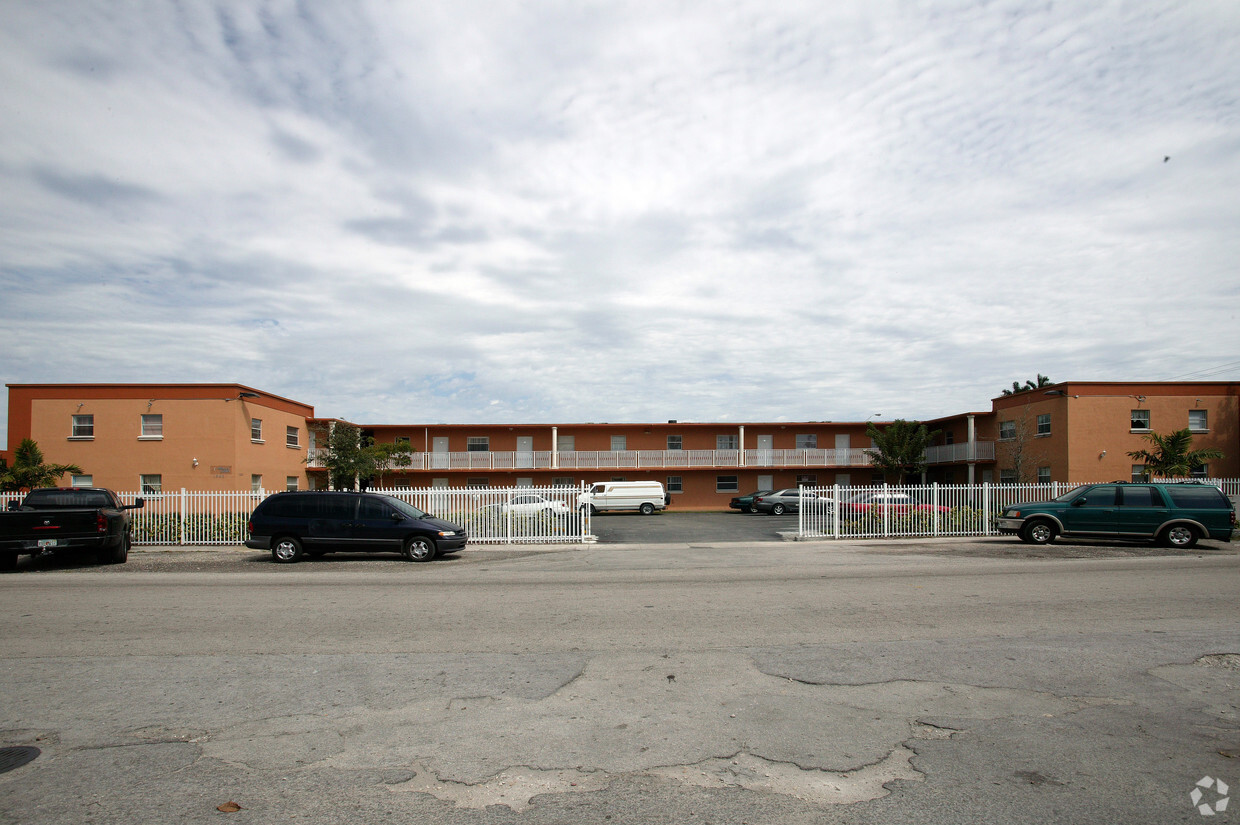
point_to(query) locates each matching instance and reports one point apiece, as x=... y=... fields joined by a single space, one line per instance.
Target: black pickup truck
x=82 y=520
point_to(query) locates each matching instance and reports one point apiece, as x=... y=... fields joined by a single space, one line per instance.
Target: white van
x=643 y=496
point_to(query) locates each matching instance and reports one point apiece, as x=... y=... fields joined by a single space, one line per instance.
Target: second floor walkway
x=671 y=459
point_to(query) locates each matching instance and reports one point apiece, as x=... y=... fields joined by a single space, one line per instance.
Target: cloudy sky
x=481 y=211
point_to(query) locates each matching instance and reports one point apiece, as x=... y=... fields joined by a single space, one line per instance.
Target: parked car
x=529 y=504
x=745 y=503
x=294 y=524
x=1175 y=514
x=887 y=501
x=87 y=521
x=787 y=500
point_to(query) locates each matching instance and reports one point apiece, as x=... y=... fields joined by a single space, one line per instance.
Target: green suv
x=1175 y=514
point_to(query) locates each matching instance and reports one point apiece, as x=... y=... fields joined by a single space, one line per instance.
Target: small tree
x=29 y=470
x=900 y=447
x=1172 y=455
x=353 y=458
x=1020 y=452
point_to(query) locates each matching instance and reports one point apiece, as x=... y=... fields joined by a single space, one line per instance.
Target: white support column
x=972 y=448
x=555 y=448
x=741 y=444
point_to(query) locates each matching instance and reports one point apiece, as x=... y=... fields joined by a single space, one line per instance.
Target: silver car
x=783 y=501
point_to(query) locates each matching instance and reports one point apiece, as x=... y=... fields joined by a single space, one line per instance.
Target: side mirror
x=1078 y=502
x=397 y=517
x=138 y=504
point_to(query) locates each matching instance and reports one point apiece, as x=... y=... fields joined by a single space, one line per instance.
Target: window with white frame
x=1007 y=430
x=726 y=442
x=83 y=427
x=256 y=482
x=1198 y=420
x=152 y=484
x=566 y=443
x=675 y=442
x=727 y=484
x=292 y=437
x=1138 y=472
x=807 y=480
x=1140 y=420
x=619 y=443
x=807 y=441
x=1007 y=476
x=291 y=482
x=1044 y=475
x=1044 y=424
x=478 y=483
x=256 y=429
x=563 y=481
x=675 y=484
x=82 y=481
x=949 y=437
x=152 y=426
x=478 y=444
x=1200 y=471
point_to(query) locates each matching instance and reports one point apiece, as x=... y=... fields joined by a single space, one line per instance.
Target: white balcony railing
x=661 y=459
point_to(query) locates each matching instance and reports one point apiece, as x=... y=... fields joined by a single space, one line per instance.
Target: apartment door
x=843 y=446
x=525 y=451
x=766 y=443
x=439 y=452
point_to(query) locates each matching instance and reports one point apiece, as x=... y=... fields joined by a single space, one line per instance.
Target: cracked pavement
x=746 y=684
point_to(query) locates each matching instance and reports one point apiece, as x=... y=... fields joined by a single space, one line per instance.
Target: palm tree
x=29 y=471
x=1043 y=381
x=1173 y=456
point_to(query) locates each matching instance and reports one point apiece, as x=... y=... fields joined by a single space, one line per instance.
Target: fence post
x=184 y=512
x=934 y=498
x=886 y=511
x=835 y=512
x=801 y=510
x=985 y=508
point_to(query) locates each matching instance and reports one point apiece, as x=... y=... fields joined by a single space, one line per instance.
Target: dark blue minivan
x=296 y=524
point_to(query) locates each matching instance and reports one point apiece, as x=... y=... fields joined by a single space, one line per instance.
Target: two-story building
x=156 y=437
x=153 y=437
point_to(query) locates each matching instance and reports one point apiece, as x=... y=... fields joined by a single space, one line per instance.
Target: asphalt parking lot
x=678 y=528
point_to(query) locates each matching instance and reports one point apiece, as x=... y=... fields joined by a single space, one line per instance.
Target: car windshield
x=1071 y=494
x=405 y=509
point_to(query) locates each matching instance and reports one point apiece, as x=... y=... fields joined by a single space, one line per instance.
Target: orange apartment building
x=156 y=437
x=233 y=437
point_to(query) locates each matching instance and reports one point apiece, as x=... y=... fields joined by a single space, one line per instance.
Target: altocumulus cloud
x=480 y=211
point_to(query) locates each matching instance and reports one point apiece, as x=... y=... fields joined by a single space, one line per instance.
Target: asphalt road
x=728 y=682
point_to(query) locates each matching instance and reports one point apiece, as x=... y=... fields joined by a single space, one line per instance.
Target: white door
x=525 y=451
x=439 y=452
x=766 y=443
x=842 y=447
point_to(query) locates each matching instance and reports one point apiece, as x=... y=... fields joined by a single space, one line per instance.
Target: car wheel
x=777 y=509
x=419 y=549
x=286 y=550
x=1038 y=532
x=647 y=508
x=1180 y=535
x=117 y=555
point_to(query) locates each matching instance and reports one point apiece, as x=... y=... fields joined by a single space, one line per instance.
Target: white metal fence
x=538 y=515
x=925 y=510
